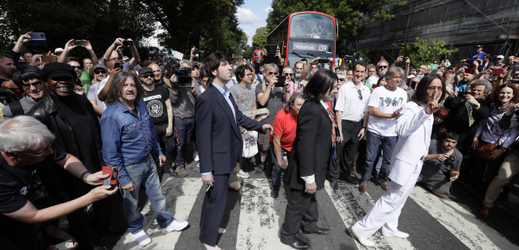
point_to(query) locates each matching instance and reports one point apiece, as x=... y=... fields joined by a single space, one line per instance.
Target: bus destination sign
x=320 y=47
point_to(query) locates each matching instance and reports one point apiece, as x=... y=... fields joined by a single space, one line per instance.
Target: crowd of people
x=140 y=116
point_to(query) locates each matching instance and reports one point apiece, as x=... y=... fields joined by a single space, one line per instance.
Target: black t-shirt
x=156 y=103
x=15 y=182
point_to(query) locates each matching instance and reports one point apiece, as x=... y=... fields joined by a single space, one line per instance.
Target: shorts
x=263 y=142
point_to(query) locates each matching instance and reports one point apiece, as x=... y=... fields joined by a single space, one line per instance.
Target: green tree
x=260 y=38
x=424 y=51
x=350 y=15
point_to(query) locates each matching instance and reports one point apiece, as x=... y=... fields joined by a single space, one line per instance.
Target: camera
x=127 y=44
x=118 y=65
x=449 y=161
x=280 y=82
x=113 y=176
x=404 y=58
x=79 y=42
x=38 y=39
x=183 y=74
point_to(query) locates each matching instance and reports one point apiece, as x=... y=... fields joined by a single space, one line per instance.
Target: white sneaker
x=242 y=174
x=175 y=226
x=142 y=238
x=361 y=239
x=195 y=156
x=398 y=234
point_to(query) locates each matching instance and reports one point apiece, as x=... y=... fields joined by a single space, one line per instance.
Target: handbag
x=484 y=151
x=250 y=144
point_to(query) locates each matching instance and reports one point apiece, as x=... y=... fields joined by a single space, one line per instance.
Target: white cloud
x=268 y=10
x=246 y=16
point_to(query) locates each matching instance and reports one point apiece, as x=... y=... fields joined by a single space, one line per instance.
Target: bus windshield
x=312 y=26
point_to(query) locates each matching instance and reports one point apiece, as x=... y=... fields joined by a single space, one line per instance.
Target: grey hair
x=286 y=67
x=394 y=70
x=186 y=62
x=381 y=61
x=486 y=83
x=23 y=133
x=267 y=67
x=341 y=73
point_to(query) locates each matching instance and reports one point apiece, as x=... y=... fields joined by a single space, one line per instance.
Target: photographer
x=442 y=164
x=118 y=44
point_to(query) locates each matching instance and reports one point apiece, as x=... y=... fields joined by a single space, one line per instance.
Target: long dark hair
x=515 y=92
x=114 y=93
x=212 y=62
x=320 y=83
x=420 y=93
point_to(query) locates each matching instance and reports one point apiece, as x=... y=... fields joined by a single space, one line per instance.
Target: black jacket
x=458 y=116
x=310 y=153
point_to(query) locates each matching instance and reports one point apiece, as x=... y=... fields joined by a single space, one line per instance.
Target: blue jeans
x=145 y=172
x=276 y=170
x=185 y=128
x=373 y=142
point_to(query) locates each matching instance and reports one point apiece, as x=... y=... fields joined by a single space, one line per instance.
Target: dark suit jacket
x=218 y=136
x=311 y=150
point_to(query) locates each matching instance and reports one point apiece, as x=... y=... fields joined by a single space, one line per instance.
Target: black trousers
x=301 y=213
x=167 y=144
x=346 y=150
x=213 y=209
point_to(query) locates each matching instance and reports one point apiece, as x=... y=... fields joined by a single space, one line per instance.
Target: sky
x=252 y=15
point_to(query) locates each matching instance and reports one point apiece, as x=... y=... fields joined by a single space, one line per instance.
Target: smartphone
x=49 y=59
x=79 y=42
x=322 y=61
x=65 y=245
x=127 y=43
x=113 y=176
x=281 y=81
x=38 y=39
x=118 y=65
x=497 y=71
x=469 y=71
x=463 y=94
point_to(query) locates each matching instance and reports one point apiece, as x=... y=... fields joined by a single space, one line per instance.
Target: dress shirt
x=350 y=104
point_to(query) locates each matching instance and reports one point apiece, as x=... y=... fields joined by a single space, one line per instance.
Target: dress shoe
x=361 y=239
x=181 y=171
x=274 y=193
x=168 y=169
x=320 y=231
x=484 y=212
x=334 y=184
x=351 y=179
x=398 y=234
x=363 y=187
x=299 y=244
x=383 y=186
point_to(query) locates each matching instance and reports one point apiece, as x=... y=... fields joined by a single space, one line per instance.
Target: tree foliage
x=260 y=38
x=424 y=51
x=350 y=15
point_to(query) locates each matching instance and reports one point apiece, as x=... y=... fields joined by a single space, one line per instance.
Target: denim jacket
x=128 y=137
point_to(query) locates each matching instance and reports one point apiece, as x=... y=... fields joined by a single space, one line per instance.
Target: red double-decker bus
x=305 y=34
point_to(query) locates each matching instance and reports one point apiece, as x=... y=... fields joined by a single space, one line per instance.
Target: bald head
x=157 y=73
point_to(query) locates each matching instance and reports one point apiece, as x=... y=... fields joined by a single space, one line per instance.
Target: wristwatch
x=477 y=105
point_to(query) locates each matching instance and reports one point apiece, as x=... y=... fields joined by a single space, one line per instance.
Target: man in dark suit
x=312 y=151
x=219 y=142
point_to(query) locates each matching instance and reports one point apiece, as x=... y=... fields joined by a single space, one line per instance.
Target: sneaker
x=242 y=174
x=181 y=171
x=195 y=156
x=141 y=237
x=175 y=226
x=398 y=234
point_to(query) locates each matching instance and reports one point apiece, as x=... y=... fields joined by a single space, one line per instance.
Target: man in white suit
x=414 y=126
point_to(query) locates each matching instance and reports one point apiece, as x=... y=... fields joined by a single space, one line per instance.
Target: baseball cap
x=500 y=57
x=479 y=46
x=145 y=70
x=57 y=69
x=99 y=66
x=58 y=51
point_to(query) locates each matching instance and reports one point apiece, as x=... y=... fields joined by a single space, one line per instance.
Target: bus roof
x=300 y=12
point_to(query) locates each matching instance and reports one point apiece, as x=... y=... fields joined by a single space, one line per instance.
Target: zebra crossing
x=253 y=220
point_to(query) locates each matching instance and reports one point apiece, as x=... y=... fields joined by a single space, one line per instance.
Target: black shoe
x=351 y=179
x=172 y=172
x=260 y=168
x=320 y=231
x=168 y=169
x=274 y=193
x=298 y=244
x=334 y=184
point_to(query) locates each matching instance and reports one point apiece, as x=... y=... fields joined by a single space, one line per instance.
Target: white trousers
x=384 y=214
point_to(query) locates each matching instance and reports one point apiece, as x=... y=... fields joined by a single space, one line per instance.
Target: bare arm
x=309 y=67
x=103 y=94
x=169 y=109
x=254 y=107
x=338 y=115
x=18 y=47
x=277 y=148
x=135 y=54
x=97 y=109
x=375 y=112
x=264 y=97
x=68 y=46
x=108 y=53
x=91 y=52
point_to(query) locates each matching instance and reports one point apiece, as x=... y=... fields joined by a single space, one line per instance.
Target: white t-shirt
x=94 y=90
x=350 y=103
x=386 y=102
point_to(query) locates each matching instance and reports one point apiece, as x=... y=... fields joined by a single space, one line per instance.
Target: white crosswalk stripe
x=260 y=217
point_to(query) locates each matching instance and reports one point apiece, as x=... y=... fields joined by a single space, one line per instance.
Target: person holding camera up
x=442 y=165
x=112 y=53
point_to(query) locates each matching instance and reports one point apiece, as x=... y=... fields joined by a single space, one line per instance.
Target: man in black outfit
x=312 y=150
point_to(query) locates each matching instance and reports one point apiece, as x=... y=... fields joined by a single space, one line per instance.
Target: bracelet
x=83 y=174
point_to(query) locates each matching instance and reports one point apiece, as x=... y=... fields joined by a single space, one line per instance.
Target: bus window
x=312 y=26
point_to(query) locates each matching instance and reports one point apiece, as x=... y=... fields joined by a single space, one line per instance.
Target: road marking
x=181 y=194
x=261 y=216
x=352 y=207
x=460 y=222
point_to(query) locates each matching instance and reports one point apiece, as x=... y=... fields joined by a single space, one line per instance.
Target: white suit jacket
x=413 y=128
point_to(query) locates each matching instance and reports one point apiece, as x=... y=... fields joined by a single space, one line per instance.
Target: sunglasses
x=382 y=67
x=289 y=74
x=147 y=76
x=360 y=94
x=76 y=67
x=41 y=153
x=34 y=84
x=342 y=79
x=100 y=72
x=273 y=73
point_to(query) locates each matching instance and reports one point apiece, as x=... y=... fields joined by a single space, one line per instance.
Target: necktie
x=335 y=129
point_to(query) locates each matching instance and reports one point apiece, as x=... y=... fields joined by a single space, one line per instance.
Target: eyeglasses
x=342 y=80
x=360 y=94
x=288 y=74
x=34 y=84
x=273 y=73
x=100 y=72
x=41 y=153
x=76 y=67
x=147 y=76
x=382 y=67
